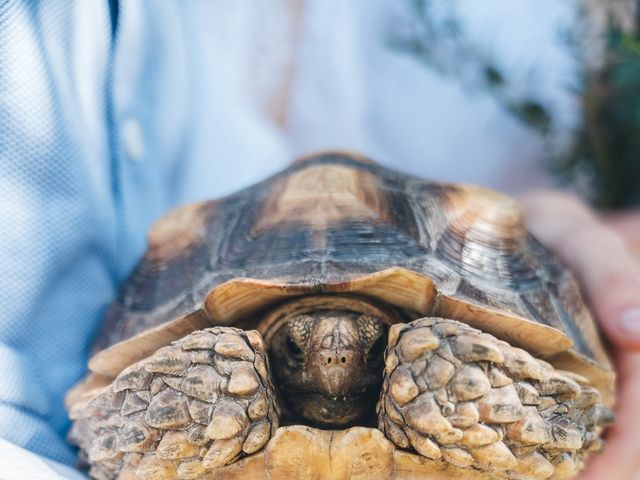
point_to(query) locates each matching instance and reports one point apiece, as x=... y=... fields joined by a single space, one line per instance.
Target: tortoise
x=343 y=320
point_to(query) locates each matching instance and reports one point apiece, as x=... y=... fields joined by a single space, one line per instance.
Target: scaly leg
x=454 y=393
x=194 y=406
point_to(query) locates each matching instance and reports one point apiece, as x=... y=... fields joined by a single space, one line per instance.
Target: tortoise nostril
x=333 y=359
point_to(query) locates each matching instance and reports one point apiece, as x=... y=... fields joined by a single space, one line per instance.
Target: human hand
x=627 y=224
x=596 y=251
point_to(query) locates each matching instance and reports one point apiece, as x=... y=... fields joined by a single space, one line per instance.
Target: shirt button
x=133 y=139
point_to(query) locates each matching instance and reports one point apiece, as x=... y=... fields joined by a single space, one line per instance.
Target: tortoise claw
x=455 y=394
x=194 y=406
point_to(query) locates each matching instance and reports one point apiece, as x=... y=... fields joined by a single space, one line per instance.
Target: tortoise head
x=327 y=357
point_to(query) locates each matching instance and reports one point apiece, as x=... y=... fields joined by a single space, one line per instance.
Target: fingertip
x=617 y=305
x=627 y=328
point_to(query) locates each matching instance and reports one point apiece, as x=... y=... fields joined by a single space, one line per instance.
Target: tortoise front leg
x=194 y=406
x=455 y=394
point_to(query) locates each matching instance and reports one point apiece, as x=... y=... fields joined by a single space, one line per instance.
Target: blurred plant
x=603 y=157
x=437 y=38
x=606 y=149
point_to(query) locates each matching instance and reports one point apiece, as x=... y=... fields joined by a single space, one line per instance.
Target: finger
x=627 y=224
x=597 y=255
x=621 y=458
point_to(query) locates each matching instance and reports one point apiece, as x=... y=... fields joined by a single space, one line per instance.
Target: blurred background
x=599 y=154
x=512 y=95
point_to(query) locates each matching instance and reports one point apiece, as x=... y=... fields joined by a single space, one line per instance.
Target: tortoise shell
x=335 y=222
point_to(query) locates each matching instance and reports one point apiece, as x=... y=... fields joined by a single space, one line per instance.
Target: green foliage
x=606 y=150
x=603 y=158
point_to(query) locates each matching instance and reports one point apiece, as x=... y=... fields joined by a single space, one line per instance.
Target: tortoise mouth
x=326 y=411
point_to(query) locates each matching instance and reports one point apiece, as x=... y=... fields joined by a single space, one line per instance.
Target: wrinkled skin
x=328 y=366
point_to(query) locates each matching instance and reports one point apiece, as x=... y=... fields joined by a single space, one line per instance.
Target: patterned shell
x=338 y=223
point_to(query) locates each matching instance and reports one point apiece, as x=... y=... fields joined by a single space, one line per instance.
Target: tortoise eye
x=293 y=348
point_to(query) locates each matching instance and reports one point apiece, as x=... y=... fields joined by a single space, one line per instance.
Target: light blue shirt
x=102 y=133
x=96 y=141
x=68 y=201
